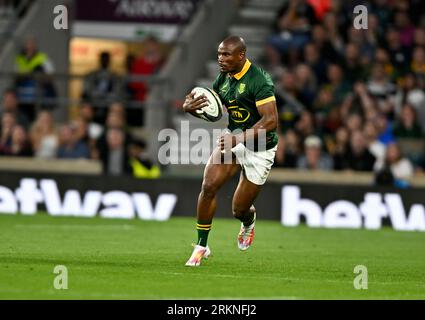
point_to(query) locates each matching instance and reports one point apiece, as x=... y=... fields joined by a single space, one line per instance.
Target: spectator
x=10 y=104
x=332 y=121
x=419 y=38
x=401 y=168
x=405 y=28
x=400 y=55
x=331 y=26
x=382 y=10
x=382 y=90
x=288 y=150
x=352 y=65
x=8 y=122
x=70 y=144
x=340 y=88
x=87 y=114
x=81 y=129
x=287 y=100
x=305 y=125
x=326 y=113
x=316 y=62
x=375 y=147
x=118 y=109
x=82 y=132
x=313 y=158
x=359 y=102
x=293 y=27
x=141 y=166
x=306 y=84
x=356 y=38
x=410 y=93
x=418 y=66
x=385 y=130
x=147 y=63
x=20 y=146
x=115 y=158
x=382 y=57
x=374 y=33
x=320 y=39
x=358 y=157
x=407 y=126
x=353 y=122
x=371 y=114
x=43 y=136
x=101 y=87
x=34 y=70
x=114 y=120
x=340 y=148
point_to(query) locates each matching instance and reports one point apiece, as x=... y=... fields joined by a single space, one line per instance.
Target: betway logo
x=114 y=204
x=345 y=214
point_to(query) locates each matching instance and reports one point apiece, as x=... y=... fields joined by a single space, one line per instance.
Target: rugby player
x=247 y=91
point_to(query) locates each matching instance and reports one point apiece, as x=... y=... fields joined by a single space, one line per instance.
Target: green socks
x=203 y=231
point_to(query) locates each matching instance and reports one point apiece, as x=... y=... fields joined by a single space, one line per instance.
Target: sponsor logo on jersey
x=239 y=115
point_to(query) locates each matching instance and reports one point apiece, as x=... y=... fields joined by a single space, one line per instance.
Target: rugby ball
x=214 y=111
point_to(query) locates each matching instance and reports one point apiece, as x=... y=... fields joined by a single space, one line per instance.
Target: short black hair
x=237 y=41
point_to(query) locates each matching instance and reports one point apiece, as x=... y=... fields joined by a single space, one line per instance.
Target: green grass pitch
x=122 y=259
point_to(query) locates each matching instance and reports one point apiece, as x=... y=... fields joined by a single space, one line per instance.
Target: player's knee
x=239 y=212
x=209 y=189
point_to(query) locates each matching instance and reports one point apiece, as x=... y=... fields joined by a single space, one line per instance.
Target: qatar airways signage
x=342 y=213
x=139 y=11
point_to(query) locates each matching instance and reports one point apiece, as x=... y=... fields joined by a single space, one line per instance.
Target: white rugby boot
x=198 y=253
x=246 y=235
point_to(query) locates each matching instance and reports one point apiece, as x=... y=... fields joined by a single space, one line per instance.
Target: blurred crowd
x=81 y=138
x=102 y=128
x=350 y=99
x=8 y=7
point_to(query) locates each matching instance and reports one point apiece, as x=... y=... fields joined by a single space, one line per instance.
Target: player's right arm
x=191 y=104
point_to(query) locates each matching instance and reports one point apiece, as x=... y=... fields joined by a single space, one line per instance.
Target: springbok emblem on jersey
x=241 y=88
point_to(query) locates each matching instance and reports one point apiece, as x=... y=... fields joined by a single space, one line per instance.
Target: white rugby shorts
x=256 y=165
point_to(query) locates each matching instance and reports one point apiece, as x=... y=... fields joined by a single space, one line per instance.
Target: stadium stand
x=349 y=92
x=330 y=76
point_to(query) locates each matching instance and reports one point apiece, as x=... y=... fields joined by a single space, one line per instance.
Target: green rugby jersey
x=242 y=93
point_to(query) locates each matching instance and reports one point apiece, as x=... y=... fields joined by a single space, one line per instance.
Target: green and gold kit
x=242 y=93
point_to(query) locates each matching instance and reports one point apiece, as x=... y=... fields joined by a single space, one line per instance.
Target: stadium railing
x=63 y=100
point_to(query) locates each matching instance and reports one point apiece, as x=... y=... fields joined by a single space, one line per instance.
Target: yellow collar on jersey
x=244 y=70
